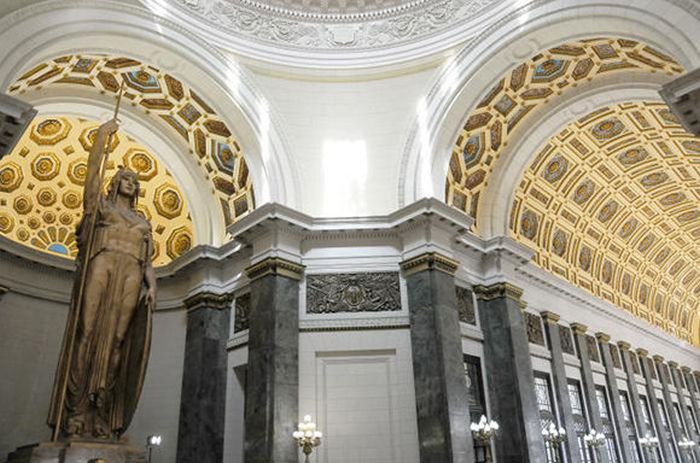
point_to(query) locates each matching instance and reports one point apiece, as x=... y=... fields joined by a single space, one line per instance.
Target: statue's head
x=124 y=183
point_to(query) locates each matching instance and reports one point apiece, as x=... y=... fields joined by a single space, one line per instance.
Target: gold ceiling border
x=171 y=101
x=522 y=91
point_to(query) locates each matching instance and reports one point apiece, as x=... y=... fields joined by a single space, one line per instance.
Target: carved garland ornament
x=353 y=292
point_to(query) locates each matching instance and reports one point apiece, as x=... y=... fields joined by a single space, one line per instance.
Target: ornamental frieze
x=353 y=292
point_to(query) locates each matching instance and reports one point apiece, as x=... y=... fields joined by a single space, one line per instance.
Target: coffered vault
x=528 y=88
x=611 y=204
x=42 y=187
x=172 y=101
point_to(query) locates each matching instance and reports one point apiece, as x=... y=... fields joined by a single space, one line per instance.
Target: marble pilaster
x=442 y=406
x=510 y=376
x=635 y=402
x=201 y=427
x=561 y=386
x=683 y=405
x=693 y=391
x=646 y=365
x=676 y=427
x=272 y=380
x=614 y=393
x=579 y=331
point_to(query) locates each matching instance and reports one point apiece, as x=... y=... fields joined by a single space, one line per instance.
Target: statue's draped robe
x=122 y=393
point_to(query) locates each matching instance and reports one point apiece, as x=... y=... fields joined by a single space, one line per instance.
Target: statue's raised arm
x=91 y=193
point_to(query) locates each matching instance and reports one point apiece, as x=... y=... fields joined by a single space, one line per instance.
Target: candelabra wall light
x=686 y=445
x=483 y=432
x=152 y=441
x=594 y=440
x=649 y=443
x=307 y=436
x=555 y=437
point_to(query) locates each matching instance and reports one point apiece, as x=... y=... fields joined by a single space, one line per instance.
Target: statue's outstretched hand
x=108 y=128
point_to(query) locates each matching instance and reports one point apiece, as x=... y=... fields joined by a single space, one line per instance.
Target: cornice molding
x=498 y=291
x=275 y=266
x=429 y=261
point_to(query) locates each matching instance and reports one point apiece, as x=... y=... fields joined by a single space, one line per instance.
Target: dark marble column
x=646 y=364
x=509 y=372
x=693 y=390
x=442 y=405
x=614 y=392
x=272 y=381
x=683 y=404
x=561 y=385
x=632 y=390
x=579 y=331
x=201 y=428
x=676 y=427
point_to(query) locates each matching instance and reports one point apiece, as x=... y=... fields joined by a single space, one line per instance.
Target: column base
x=78 y=452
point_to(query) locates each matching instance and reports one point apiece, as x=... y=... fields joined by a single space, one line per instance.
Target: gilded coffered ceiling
x=524 y=90
x=612 y=204
x=176 y=105
x=41 y=188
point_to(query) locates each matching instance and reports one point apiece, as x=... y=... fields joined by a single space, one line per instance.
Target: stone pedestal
x=78 y=452
x=442 y=406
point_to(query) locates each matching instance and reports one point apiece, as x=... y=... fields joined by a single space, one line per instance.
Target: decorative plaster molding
x=602 y=337
x=352 y=292
x=275 y=266
x=658 y=358
x=497 y=291
x=642 y=352
x=429 y=261
x=308 y=30
x=624 y=345
x=579 y=328
x=352 y=324
x=550 y=317
x=208 y=300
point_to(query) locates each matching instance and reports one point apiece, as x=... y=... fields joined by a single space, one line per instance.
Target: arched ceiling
x=525 y=90
x=41 y=186
x=174 y=103
x=612 y=204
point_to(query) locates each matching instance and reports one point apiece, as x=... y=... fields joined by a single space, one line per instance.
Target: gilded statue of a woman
x=106 y=345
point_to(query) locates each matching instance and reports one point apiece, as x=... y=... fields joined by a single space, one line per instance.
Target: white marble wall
x=31 y=330
x=159 y=407
x=358 y=386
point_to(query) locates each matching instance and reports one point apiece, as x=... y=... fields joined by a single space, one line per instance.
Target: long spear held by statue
x=84 y=269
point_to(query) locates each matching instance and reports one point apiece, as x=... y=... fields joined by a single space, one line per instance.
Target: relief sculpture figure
x=106 y=345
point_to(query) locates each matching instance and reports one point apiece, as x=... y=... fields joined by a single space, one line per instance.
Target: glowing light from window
x=344 y=177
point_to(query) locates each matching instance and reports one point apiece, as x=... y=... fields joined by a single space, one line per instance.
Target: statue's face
x=128 y=185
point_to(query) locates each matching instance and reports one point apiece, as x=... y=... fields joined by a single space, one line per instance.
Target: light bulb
x=474 y=427
x=494 y=426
